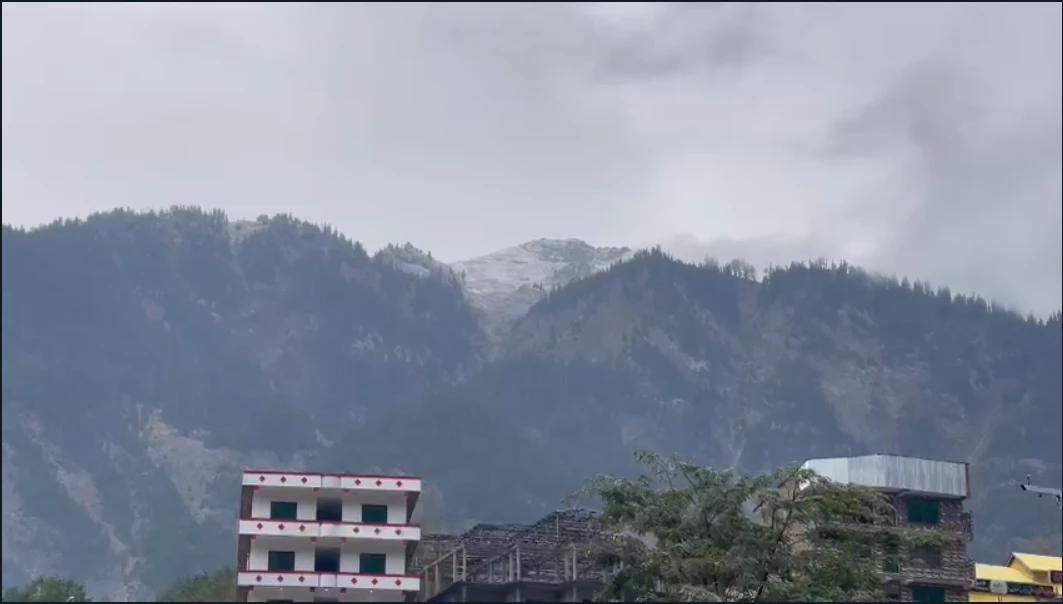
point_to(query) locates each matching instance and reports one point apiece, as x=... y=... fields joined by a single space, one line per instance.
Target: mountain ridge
x=135 y=344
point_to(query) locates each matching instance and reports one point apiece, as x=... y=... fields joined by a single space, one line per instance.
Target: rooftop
x=1038 y=563
x=897 y=473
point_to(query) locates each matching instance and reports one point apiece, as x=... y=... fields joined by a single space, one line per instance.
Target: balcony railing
x=263 y=578
x=330 y=530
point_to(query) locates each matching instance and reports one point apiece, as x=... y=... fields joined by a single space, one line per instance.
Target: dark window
x=330 y=510
x=283 y=562
x=283 y=510
x=373 y=564
x=327 y=560
x=928 y=556
x=924 y=593
x=924 y=511
x=374 y=514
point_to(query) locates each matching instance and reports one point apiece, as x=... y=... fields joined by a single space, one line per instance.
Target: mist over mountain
x=149 y=357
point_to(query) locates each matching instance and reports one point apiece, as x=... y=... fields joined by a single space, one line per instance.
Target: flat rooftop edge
x=318 y=480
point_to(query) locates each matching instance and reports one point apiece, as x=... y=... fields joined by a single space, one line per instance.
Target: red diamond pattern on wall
x=304 y=480
x=284 y=479
x=262 y=479
x=280 y=579
x=258 y=579
x=398 y=582
x=259 y=525
x=398 y=483
x=357 y=482
x=354 y=580
x=378 y=483
x=374 y=581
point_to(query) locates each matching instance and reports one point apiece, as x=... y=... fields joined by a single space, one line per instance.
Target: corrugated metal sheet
x=892 y=472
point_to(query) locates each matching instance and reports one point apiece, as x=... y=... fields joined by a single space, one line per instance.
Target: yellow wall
x=1021 y=568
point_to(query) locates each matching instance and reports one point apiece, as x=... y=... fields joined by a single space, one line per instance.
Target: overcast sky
x=910 y=138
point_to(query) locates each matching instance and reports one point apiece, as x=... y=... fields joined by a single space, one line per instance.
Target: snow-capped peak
x=506 y=283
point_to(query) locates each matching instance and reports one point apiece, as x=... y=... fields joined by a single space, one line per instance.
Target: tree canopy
x=48 y=589
x=686 y=533
x=219 y=586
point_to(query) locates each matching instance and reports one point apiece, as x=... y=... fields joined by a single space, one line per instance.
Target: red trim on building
x=330 y=474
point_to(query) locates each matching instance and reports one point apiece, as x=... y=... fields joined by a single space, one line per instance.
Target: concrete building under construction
x=548 y=561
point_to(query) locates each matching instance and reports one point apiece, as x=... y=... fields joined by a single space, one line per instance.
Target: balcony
x=396 y=484
x=328 y=580
x=330 y=530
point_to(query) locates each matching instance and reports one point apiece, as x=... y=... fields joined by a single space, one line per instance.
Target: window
x=283 y=562
x=374 y=514
x=330 y=510
x=924 y=511
x=928 y=556
x=327 y=560
x=891 y=559
x=283 y=510
x=925 y=593
x=373 y=564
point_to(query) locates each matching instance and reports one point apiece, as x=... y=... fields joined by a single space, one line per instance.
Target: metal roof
x=896 y=473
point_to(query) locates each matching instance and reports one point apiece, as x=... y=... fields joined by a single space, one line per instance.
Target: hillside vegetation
x=148 y=358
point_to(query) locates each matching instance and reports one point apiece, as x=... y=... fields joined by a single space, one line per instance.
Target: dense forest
x=149 y=357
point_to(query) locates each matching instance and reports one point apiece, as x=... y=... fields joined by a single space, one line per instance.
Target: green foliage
x=219 y=586
x=48 y=589
x=694 y=534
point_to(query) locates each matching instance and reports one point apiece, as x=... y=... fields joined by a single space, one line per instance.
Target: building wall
x=274 y=594
x=955 y=565
x=306 y=502
x=258 y=558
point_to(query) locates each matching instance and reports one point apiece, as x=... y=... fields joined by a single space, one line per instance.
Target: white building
x=326 y=537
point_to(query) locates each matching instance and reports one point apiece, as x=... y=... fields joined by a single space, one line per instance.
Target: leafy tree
x=219 y=586
x=692 y=534
x=48 y=589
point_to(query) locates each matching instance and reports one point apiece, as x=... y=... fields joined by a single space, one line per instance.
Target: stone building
x=928 y=499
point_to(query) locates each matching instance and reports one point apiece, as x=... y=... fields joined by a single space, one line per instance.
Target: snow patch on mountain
x=506 y=283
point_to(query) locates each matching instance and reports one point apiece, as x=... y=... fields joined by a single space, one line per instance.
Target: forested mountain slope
x=148 y=357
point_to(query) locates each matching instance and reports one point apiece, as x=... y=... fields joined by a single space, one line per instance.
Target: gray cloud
x=919 y=139
x=702 y=37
